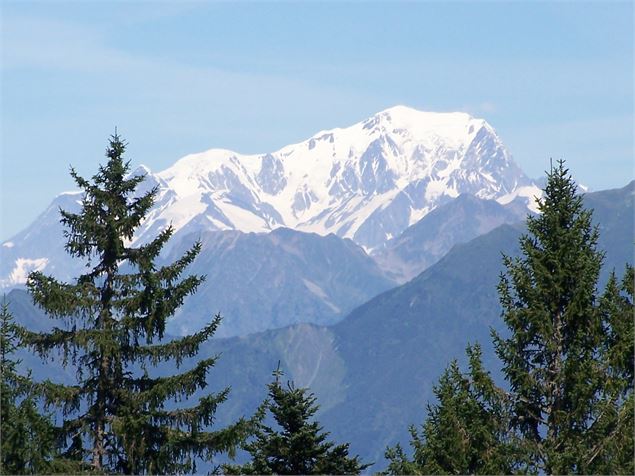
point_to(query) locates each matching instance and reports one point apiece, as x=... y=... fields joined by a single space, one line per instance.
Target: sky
x=555 y=79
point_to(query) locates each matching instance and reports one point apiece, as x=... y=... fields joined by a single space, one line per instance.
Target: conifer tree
x=555 y=356
x=610 y=441
x=28 y=439
x=465 y=431
x=112 y=328
x=299 y=446
x=568 y=360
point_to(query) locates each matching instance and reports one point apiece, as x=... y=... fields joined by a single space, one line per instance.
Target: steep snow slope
x=367 y=182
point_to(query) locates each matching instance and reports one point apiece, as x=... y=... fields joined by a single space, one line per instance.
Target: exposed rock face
x=368 y=183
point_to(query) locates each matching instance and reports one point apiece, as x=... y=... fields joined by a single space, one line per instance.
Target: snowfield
x=367 y=182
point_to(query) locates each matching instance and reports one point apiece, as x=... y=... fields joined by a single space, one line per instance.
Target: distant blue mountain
x=457 y=221
x=261 y=281
x=373 y=371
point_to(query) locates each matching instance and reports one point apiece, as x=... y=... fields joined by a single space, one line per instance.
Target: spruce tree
x=299 y=446
x=554 y=358
x=112 y=329
x=610 y=442
x=568 y=359
x=28 y=439
x=466 y=429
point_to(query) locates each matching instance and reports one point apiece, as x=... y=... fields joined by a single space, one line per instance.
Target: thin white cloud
x=31 y=43
x=48 y=46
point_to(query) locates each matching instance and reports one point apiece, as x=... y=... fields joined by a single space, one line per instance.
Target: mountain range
x=373 y=371
x=458 y=221
x=362 y=260
x=261 y=281
x=367 y=182
x=403 y=186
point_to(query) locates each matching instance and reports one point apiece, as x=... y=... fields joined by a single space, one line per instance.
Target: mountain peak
x=141 y=170
x=456 y=128
x=367 y=182
x=401 y=112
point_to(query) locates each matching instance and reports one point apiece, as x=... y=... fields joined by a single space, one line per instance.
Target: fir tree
x=465 y=431
x=28 y=439
x=113 y=325
x=568 y=360
x=555 y=357
x=299 y=446
x=610 y=443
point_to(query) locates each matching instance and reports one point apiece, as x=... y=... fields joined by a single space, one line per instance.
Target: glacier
x=367 y=182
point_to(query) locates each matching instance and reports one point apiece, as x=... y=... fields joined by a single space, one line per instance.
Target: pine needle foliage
x=466 y=429
x=609 y=443
x=298 y=445
x=566 y=359
x=111 y=328
x=28 y=439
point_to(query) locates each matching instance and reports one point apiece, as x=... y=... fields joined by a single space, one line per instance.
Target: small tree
x=466 y=431
x=114 y=324
x=299 y=446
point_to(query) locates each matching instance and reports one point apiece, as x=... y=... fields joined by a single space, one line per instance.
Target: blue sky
x=554 y=79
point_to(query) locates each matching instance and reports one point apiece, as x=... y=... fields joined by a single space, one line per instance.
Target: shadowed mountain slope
x=373 y=372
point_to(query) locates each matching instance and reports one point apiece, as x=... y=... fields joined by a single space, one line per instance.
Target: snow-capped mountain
x=367 y=182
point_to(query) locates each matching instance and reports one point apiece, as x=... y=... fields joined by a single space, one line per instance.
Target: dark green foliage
x=562 y=360
x=568 y=359
x=112 y=329
x=28 y=442
x=466 y=430
x=20 y=424
x=610 y=445
x=299 y=446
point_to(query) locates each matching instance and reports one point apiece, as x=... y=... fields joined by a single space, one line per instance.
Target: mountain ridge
x=367 y=182
x=373 y=371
